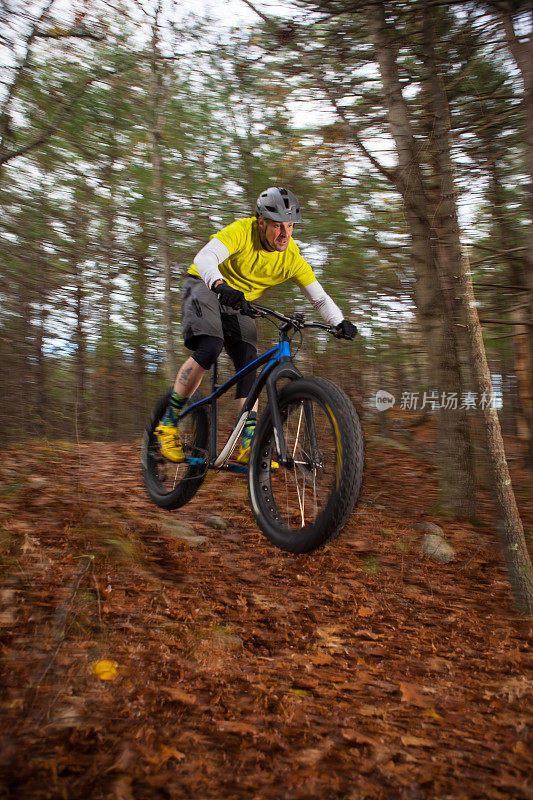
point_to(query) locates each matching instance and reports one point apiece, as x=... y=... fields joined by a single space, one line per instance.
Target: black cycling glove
x=228 y=296
x=345 y=330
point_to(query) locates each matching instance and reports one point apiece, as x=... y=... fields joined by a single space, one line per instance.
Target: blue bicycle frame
x=278 y=364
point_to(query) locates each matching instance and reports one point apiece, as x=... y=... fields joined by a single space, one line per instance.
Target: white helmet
x=278 y=204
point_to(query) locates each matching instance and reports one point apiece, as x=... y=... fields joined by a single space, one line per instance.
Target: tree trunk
x=448 y=254
x=461 y=292
x=80 y=358
x=108 y=412
x=78 y=251
x=140 y=304
x=518 y=276
x=523 y=371
x=156 y=129
x=509 y=412
x=521 y=47
x=509 y=524
x=23 y=383
x=41 y=397
x=456 y=473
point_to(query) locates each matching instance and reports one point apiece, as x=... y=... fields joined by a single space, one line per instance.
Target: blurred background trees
x=130 y=132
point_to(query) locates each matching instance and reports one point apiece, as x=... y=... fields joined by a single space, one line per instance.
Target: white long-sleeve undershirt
x=320 y=299
x=207 y=261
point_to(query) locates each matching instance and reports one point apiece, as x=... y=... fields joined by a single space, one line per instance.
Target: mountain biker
x=236 y=266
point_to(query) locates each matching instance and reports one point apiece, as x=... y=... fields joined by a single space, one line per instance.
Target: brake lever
x=252 y=312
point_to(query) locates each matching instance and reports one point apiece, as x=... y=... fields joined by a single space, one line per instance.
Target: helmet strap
x=264 y=244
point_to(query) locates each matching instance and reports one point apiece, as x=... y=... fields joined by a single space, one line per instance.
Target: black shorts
x=202 y=315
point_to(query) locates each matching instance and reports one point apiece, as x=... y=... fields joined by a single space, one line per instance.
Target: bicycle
x=306 y=461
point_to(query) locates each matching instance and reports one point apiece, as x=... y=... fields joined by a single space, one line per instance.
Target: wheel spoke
x=176 y=474
x=300 y=503
x=298 y=431
x=300 y=492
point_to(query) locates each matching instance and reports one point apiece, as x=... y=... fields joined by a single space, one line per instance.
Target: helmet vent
x=278 y=204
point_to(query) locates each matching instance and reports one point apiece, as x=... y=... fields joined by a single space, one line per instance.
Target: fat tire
x=193 y=476
x=340 y=495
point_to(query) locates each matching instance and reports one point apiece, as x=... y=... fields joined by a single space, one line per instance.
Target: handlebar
x=296 y=320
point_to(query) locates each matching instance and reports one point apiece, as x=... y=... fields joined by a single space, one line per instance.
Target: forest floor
x=366 y=670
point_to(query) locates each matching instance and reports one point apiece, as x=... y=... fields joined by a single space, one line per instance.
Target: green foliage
x=81 y=335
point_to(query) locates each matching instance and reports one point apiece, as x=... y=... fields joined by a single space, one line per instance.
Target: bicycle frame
x=277 y=364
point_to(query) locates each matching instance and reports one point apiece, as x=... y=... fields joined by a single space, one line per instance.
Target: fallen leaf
x=321 y=658
x=385 y=686
x=310 y=756
x=36 y=482
x=8 y=617
x=124 y=761
x=416 y=741
x=164 y=755
x=242 y=728
x=352 y=735
x=68 y=715
x=360 y=677
x=105 y=670
x=122 y=788
x=30 y=544
x=370 y=711
x=179 y=696
x=437 y=664
x=329 y=636
x=18 y=526
x=298 y=692
x=410 y=694
x=362 y=546
x=516 y=688
x=363 y=634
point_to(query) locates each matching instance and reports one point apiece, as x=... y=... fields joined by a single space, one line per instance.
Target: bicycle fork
x=287 y=370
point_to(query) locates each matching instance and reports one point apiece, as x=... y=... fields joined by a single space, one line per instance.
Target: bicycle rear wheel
x=171 y=485
x=302 y=507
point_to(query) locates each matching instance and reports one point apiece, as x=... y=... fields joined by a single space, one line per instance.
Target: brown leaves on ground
x=227 y=669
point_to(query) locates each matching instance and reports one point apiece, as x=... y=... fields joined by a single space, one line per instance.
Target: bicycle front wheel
x=171 y=485
x=303 y=506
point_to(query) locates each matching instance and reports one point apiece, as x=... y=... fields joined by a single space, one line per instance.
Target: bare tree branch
x=75 y=32
x=4 y=112
x=390 y=174
x=264 y=17
x=60 y=113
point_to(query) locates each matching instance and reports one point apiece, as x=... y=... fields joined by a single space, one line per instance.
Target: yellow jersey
x=252 y=269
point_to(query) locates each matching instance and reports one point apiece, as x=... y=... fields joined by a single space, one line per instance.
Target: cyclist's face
x=275 y=235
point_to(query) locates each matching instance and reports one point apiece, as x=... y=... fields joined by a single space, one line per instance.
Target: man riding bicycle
x=236 y=266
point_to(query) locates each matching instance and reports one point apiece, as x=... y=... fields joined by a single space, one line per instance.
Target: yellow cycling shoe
x=170 y=442
x=244 y=457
